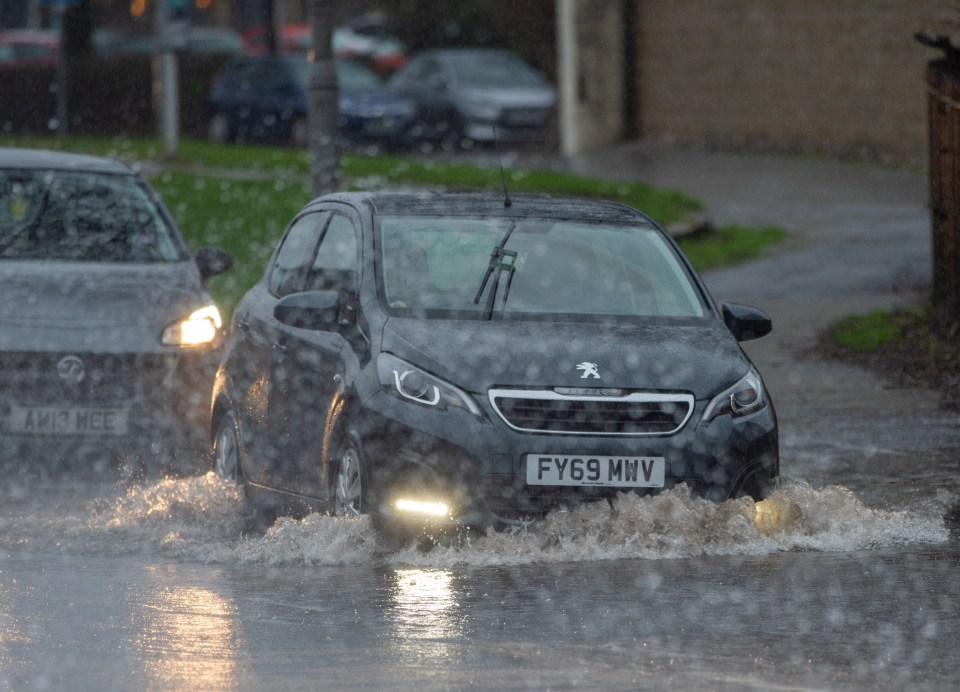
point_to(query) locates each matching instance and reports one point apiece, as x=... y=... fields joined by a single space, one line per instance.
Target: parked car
x=368 y=39
x=108 y=338
x=466 y=95
x=449 y=360
x=265 y=98
x=29 y=47
x=295 y=38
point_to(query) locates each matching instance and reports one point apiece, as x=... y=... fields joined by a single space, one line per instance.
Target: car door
x=257 y=366
x=308 y=378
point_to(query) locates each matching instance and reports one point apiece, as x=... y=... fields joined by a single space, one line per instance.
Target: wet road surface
x=846 y=579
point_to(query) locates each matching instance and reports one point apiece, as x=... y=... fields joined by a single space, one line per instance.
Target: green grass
x=729 y=245
x=240 y=198
x=866 y=333
x=243 y=217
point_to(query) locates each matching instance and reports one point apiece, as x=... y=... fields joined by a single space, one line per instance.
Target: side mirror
x=309 y=310
x=746 y=323
x=212 y=261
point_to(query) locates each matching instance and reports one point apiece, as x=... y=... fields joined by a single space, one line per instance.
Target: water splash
x=204 y=519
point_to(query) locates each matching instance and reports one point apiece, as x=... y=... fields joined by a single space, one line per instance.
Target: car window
x=335 y=266
x=82 y=216
x=493 y=70
x=355 y=77
x=296 y=252
x=561 y=268
x=421 y=73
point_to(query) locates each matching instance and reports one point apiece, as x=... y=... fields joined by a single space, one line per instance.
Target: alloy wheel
x=348 y=486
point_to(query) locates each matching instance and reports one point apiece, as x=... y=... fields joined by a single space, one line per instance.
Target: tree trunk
x=324 y=140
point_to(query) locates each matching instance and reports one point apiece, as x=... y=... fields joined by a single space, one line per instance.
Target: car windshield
x=495 y=70
x=351 y=76
x=547 y=267
x=81 y=216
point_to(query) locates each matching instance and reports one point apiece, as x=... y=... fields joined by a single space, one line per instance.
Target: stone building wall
x=836 y=76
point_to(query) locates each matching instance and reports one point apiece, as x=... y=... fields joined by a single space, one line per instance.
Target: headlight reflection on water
x=188 y=639
x=424 y=613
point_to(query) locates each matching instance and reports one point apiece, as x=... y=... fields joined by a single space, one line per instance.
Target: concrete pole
x=568 y=76
x=169 y=82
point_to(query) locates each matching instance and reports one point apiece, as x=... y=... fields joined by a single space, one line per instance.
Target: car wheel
x=348 y=483
x=299 y=133
x=218 y=129
x=226 y=449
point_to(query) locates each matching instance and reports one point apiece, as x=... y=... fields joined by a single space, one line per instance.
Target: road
x=845 y=580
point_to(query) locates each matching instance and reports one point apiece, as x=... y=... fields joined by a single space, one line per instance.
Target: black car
x=265 y=98
x=108 y=337
x=462 y=360
x=466 y=95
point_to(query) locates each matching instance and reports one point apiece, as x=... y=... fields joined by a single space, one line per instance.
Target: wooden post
x=943 y=82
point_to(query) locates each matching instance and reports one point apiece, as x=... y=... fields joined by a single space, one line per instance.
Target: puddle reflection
x=424 y=608
x=187 y=638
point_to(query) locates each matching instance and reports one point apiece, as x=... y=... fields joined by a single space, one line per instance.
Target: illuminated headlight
x=405 y=381
x=746 y=396
x=201 y=327
x=432 y=509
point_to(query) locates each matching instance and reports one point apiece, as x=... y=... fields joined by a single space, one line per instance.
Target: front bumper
x=124 y=401
x=477 y=467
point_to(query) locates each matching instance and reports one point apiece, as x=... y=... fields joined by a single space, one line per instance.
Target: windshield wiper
x=500 y=259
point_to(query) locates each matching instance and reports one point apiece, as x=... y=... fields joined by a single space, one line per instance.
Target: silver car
x=466 y=95
x=109 y=339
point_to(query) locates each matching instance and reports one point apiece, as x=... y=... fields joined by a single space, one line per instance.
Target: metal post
x=169 y=79
x=60 y=10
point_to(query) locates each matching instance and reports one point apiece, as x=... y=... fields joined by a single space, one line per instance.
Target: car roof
x=43 y=159
x=488 y=204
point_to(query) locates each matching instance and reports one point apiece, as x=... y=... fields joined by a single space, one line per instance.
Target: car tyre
x=226 y=449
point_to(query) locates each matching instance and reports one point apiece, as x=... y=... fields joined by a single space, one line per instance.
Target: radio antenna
x=503 y=178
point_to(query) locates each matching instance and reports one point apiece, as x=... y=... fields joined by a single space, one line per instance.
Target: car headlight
x=746 y=396
x=201 y=327
x=405 y=381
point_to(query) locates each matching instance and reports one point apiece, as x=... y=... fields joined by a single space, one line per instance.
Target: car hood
x=375 y=103
x=511 y=97
x=478 y=355
x=53 y=306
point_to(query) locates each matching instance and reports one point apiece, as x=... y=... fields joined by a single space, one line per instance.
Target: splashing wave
x=203 y=519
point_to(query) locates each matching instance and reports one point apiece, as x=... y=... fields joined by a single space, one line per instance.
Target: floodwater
x=110 y=584
x=846 y=578
x=203 y=519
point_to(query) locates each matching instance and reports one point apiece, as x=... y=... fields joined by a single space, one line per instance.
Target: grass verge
x=240 y=198
x=902 y=345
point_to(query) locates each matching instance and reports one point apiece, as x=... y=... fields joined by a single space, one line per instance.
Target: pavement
x=859 y=239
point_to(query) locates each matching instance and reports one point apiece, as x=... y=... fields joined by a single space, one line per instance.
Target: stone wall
x=836 y=76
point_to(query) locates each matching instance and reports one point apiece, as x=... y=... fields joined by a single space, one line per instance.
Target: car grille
x=548 y=411
x=524 y=117
x=32 y=378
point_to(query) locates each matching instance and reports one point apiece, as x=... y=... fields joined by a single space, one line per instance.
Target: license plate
x=61 y=420
x=615 y=472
